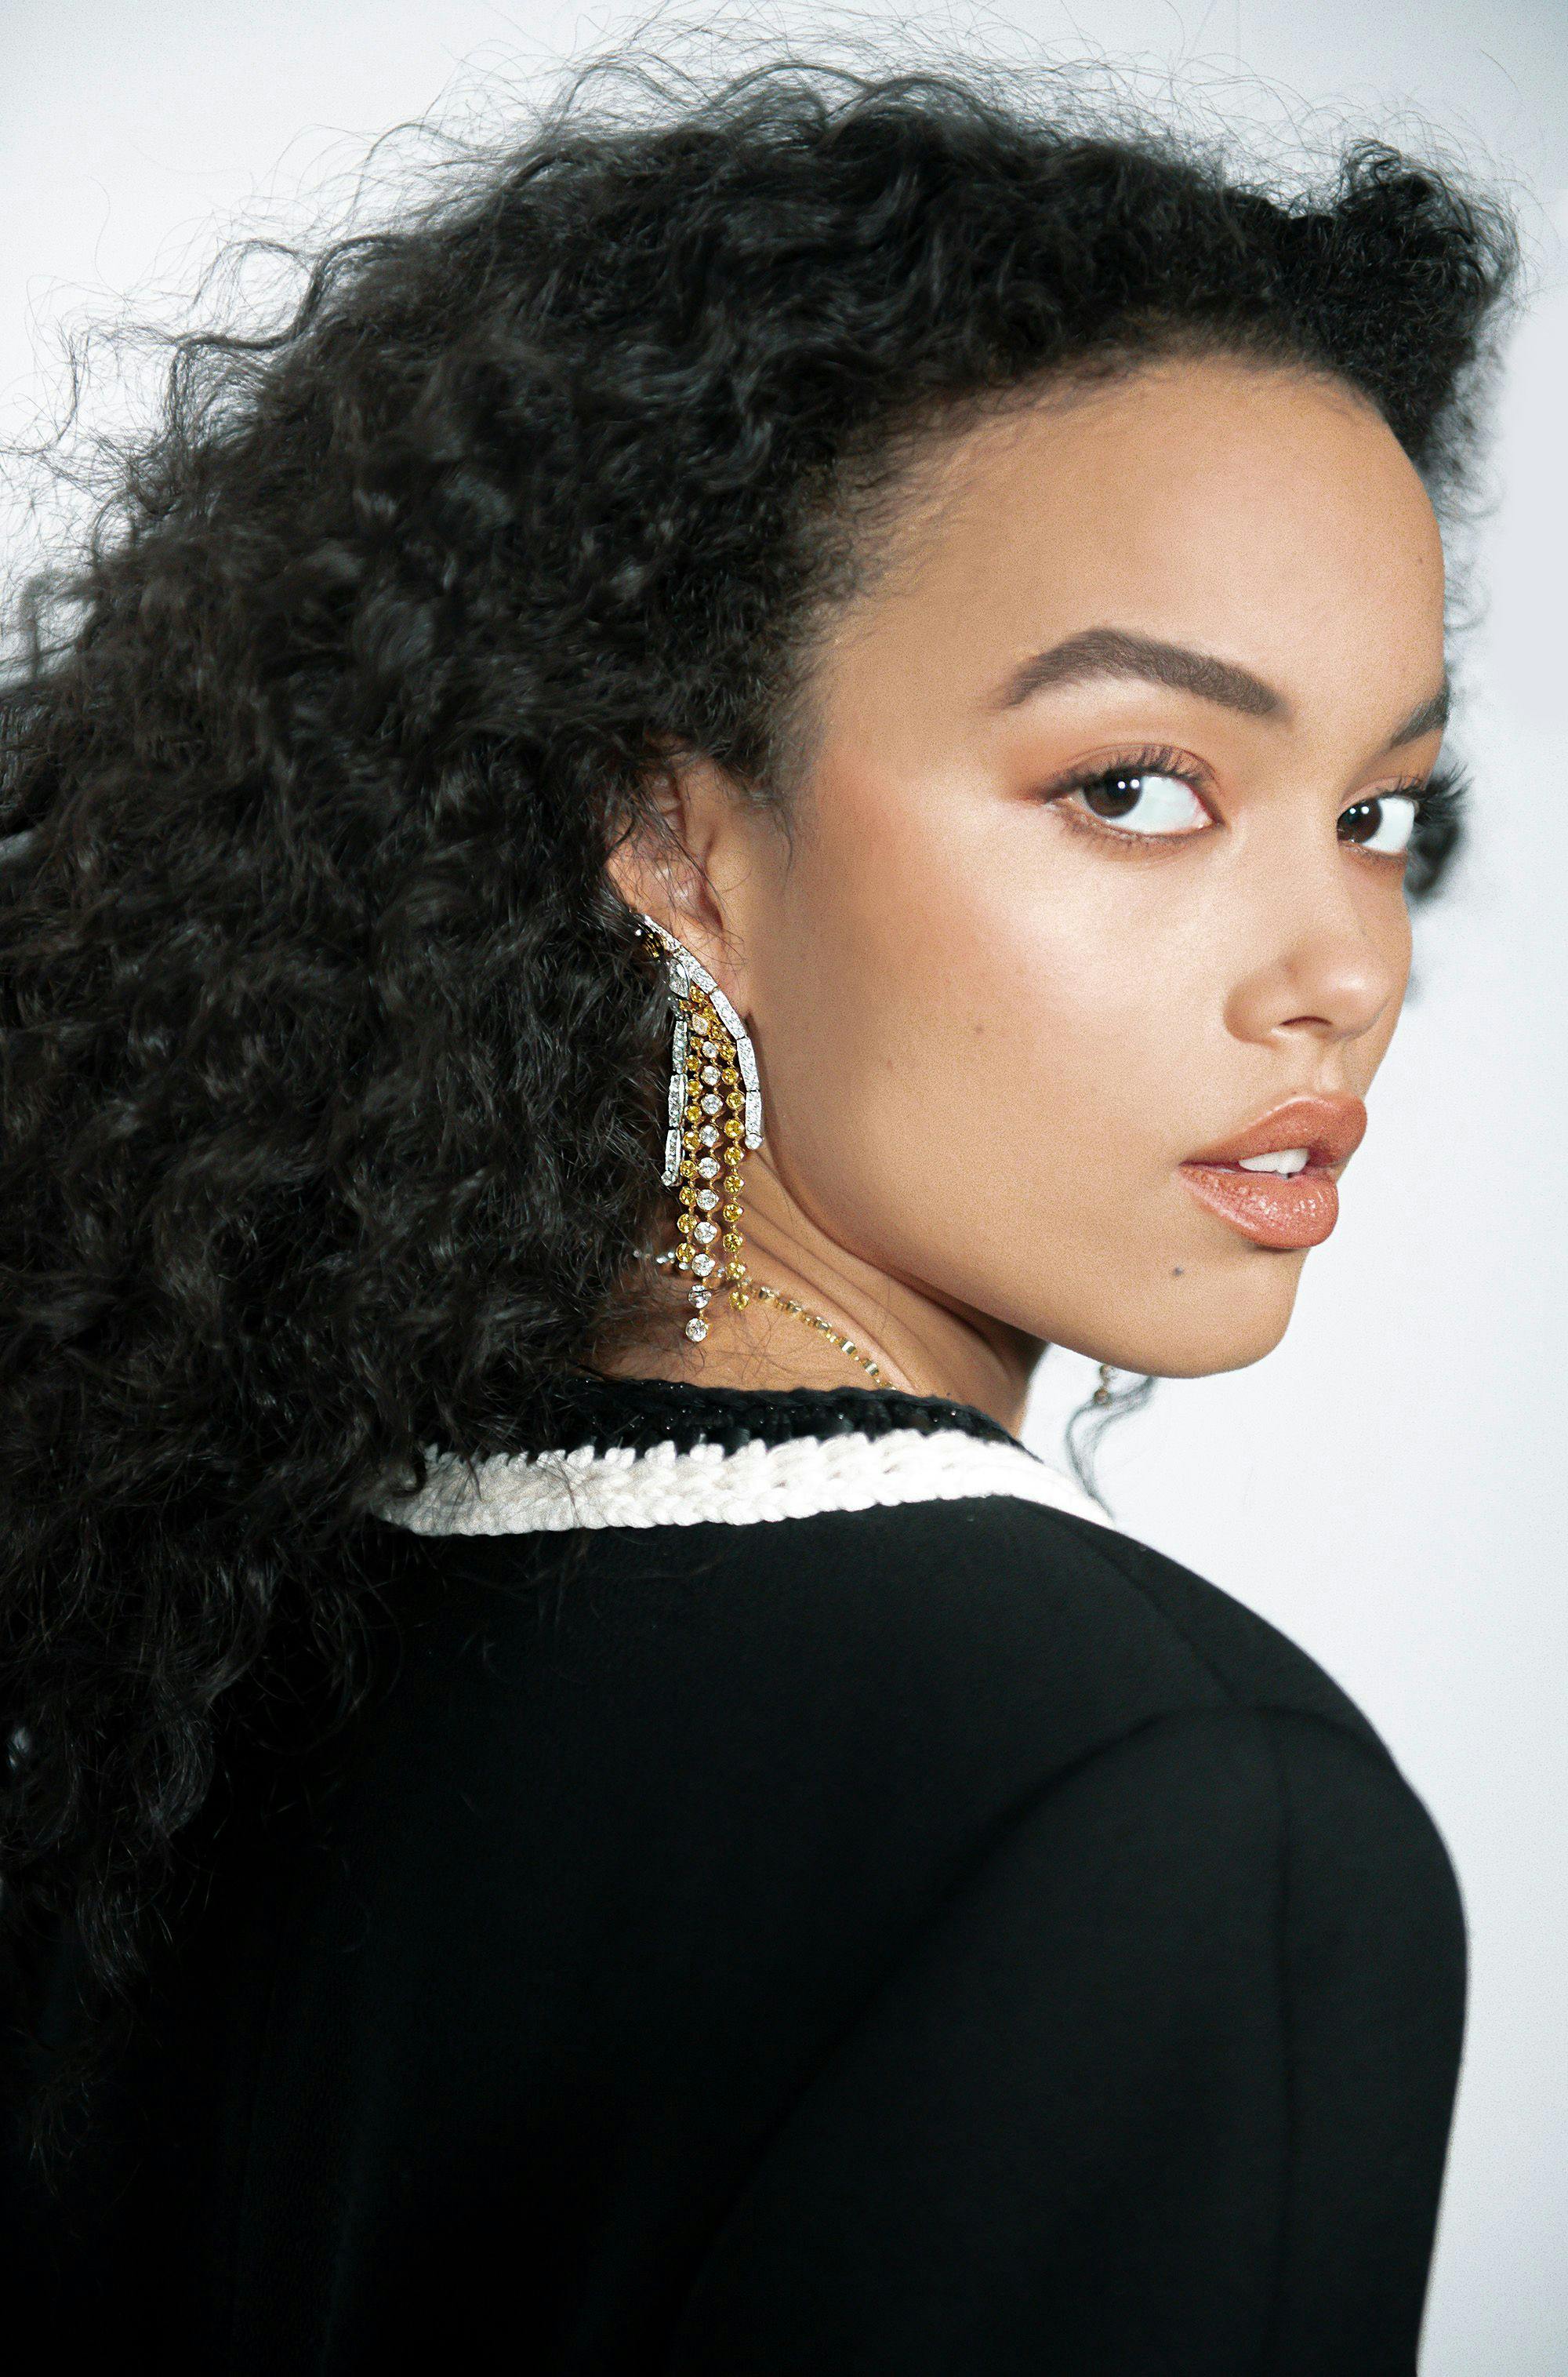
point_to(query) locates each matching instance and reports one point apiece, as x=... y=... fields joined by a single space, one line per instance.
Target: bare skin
x=991 y=1020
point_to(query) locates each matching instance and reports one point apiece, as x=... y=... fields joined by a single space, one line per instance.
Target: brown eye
x=1112 y=796
x=1384 y=825
x=1142 y=801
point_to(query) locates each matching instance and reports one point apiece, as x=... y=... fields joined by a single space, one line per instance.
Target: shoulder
x=901 y=1522
x=1207 y=1985
x=1057 y=1635
x=856 y=1631
x=1004 y=1635
x=775 y=1755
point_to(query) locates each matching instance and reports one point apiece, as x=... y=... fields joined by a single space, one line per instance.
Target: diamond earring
x=715 y=1112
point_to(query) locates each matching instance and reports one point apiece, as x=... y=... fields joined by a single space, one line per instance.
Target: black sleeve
x=1165 y=2087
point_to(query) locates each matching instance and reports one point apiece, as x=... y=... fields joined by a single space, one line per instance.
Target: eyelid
x=1408 y=788
x=1144 y=760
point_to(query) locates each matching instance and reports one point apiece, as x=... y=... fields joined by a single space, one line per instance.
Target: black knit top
x=801 y=1895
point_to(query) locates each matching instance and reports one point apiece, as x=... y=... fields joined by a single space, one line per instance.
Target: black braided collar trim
x=575 y=1410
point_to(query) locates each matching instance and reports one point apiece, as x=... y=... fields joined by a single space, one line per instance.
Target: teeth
x=1285 y=1160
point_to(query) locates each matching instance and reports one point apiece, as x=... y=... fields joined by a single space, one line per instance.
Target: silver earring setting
x=714 y=1112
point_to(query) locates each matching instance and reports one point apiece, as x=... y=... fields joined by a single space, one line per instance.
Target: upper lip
x=1329 y=1127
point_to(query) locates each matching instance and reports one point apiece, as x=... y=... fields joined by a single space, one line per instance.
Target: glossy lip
x=1273 y=1210
x=1330 y=1128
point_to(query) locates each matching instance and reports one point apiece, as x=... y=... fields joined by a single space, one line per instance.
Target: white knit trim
x=550 y=1492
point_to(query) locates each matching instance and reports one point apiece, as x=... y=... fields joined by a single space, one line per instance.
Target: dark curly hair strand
x=330 y=1071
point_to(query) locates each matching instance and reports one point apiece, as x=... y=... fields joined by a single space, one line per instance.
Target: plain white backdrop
x=1388 y=1486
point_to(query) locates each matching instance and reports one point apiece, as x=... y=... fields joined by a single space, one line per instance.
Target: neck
x=922 y=1342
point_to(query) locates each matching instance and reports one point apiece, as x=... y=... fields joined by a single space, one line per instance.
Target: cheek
x=975 y=1040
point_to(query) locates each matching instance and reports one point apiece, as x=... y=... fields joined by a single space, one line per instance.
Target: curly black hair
x=330 y=1068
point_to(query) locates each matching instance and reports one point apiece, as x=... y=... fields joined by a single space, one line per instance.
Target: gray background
x=1388 y=1486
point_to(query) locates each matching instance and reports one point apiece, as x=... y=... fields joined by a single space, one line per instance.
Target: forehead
x=1262 y=513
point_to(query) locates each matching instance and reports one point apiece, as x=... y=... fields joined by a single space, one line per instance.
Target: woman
x=762 y=766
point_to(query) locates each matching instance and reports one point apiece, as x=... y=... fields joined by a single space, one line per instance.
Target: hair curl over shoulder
x=331 y=1075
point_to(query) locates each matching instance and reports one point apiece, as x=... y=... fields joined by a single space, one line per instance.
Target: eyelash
x=1441 y=799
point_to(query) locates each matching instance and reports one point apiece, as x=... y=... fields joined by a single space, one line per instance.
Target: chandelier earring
x=715 y=1115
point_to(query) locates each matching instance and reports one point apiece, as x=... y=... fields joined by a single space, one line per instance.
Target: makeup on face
x=1071 y=983
x=1276 y=1180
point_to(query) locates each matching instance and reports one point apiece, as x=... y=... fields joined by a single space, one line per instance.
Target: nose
x=1331 y=960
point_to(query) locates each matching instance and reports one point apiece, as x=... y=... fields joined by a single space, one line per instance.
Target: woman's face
x=1072 y=895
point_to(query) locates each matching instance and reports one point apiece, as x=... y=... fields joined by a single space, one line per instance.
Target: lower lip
x=1265 y=1206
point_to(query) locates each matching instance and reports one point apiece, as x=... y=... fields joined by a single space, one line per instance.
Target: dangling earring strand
x=804 y=1312
x=813 y=1319
x=714 y=1112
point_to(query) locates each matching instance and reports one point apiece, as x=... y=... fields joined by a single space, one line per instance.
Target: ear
x=674 y=859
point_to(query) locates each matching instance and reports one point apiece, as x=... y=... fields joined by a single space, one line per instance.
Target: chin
x=1224 y=1327
x=1237 y=1331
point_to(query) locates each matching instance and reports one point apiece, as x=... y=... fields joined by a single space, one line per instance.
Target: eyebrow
x=1118 y=652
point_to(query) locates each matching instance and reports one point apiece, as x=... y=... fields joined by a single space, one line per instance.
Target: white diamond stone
x=712 y=1105
x=707 y=1200
x=707 y=1136
x=700 y=1295
x=697 y=1329
x=710 y=1075
x=703 y=1264
x=704 y=1233
x=708 y=1169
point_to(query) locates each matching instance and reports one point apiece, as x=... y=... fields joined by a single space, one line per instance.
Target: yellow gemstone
x=733 y=1242
x=739 y=1298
